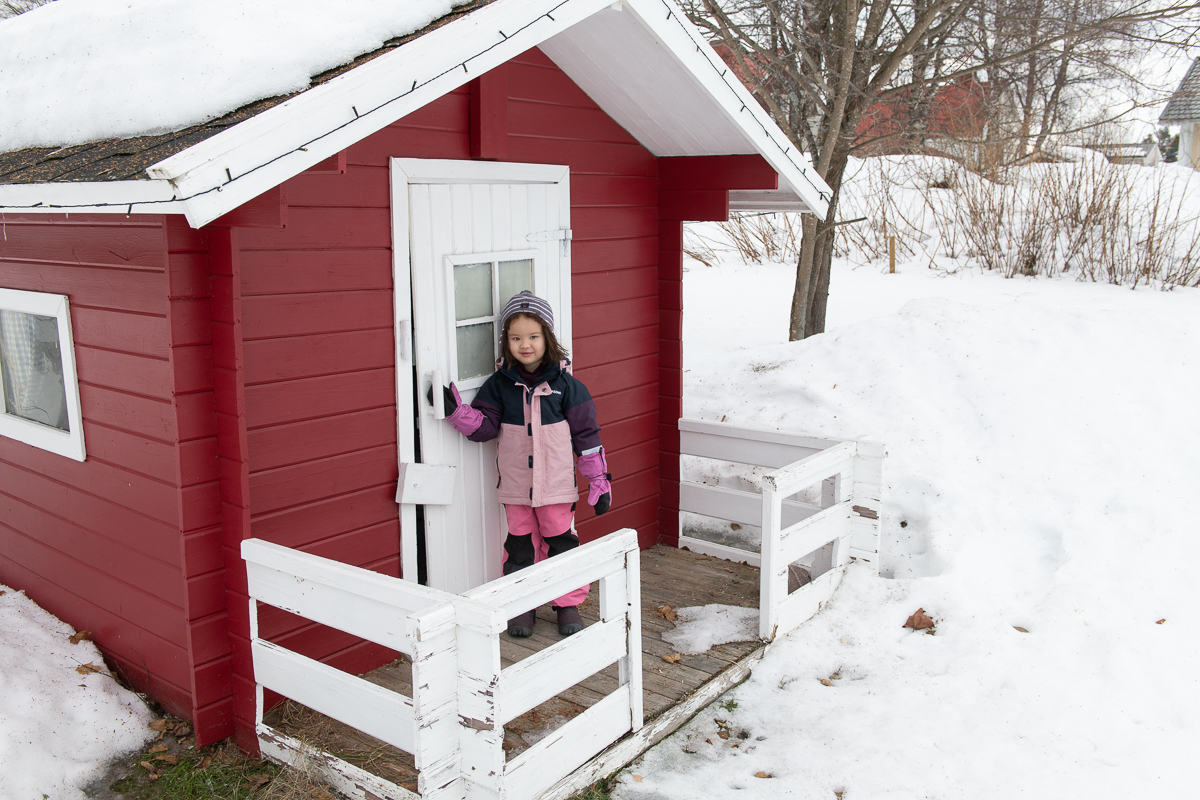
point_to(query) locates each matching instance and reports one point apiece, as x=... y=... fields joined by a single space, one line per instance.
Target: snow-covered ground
x=62 y=716
x=1041 y=474
x=1042 y=461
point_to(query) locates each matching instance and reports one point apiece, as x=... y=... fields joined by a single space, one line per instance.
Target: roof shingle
x=1184 y=105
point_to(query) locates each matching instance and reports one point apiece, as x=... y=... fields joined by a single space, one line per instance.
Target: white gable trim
x=233 y=167
x=264 y=151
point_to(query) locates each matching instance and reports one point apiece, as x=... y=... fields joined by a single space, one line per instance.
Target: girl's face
x=526 y=343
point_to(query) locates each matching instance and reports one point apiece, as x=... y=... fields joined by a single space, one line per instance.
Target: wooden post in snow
x=891 y=255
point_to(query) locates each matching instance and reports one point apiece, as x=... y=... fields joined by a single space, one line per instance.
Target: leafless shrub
x=1120 y=224
x=754 y=237
x=1098 y=221
x=11 y=8
x=698 y=247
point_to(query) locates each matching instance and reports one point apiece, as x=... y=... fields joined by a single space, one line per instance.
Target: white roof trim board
x=640 y=60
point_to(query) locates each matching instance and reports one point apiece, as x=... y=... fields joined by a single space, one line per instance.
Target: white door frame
x=406 y=171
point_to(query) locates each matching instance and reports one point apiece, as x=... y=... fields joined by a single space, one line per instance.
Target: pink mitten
x=595 y=469
x=465 y=419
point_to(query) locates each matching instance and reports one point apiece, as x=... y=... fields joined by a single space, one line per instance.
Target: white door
x=467 y=236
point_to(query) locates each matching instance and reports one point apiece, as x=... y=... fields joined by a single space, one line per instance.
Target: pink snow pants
x=551 y=530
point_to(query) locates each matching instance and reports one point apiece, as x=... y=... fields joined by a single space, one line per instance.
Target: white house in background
x=1183 y=109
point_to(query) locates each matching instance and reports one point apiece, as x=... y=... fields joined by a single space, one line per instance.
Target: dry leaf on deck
x=79 y=636
x=825 y=682
x=761 y=774
x=1160 y=622
x=158 y=748
x=169 y=758
x=724 y=734
x=666 y=612
x=733 y=526
x=1019 y=628
x=637 y=778
x=672 y=659
x=161 y=725
x=919 y=621
x=87 y=669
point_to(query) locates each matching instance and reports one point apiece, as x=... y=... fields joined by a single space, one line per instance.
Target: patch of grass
x=597 y=791
x=729 y=705
x=219 y=773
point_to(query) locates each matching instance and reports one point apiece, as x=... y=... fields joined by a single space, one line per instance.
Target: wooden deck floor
x=670 y=577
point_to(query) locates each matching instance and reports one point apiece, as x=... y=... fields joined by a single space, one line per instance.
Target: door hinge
x=562 y=235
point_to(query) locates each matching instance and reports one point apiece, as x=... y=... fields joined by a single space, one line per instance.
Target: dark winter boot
x=569 y=621
x=521 y=625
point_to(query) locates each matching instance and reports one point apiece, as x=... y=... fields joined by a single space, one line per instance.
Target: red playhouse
x=246 y=314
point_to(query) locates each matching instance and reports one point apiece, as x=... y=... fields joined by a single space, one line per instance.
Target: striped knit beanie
x=526 y=302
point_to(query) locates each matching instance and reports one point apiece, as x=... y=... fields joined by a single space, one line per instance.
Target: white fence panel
x=850 y=474
x=454 y=722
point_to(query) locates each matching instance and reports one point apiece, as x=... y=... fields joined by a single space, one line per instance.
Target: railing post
x=480 y=733
x=867 y=493
x=434 y=637
x=621 y=598
x=772 y=574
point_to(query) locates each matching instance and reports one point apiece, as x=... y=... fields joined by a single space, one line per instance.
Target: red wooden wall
x=122 y=544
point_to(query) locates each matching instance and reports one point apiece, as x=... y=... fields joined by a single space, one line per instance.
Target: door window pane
x=34 y=388
x=472 y=291
x=515 y=276
x=476 y=350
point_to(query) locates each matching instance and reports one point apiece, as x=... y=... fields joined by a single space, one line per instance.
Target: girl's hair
x=555 y=352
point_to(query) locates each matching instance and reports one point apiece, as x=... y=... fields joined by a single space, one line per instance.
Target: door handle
x=439 y=401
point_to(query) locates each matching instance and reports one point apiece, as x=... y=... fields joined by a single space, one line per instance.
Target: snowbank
x=58 y=728
x=76 y=71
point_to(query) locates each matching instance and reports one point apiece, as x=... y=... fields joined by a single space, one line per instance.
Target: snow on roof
x=78 y=71
x=1184 y=105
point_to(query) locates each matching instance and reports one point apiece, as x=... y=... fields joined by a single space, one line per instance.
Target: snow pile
x=76 y=71
x=1041 y=476
x=700 y=627
x=59 y=727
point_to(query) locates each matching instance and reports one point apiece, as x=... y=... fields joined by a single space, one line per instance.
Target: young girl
x=541 y=413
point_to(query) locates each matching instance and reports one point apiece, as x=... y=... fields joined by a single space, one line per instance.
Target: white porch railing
x=453 y=725
x=850 y=473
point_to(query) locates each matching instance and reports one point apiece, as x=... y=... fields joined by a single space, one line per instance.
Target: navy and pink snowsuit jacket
x=539 y=427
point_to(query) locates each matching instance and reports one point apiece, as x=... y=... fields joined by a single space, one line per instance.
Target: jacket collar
x=553 y=370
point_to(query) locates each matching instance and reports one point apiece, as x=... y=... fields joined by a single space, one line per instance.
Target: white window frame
x=64 y=443
x=493 y=257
